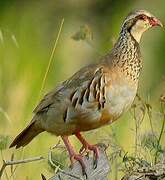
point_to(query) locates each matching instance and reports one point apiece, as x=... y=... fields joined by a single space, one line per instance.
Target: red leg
x=72 y=154
x=87 y=146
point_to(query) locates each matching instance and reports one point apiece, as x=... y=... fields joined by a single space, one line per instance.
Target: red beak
x=155 y=22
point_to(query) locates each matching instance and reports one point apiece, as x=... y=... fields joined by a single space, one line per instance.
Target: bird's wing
x=87 y=99
x=76 y=80
x=80 y=97
x=48 y=100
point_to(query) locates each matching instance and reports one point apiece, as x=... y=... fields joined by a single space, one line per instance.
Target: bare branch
x=23 y=161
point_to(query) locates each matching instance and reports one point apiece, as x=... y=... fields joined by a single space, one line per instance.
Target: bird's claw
x=79 y=158
x=95 y=149
x=95 y=162
x=84 y=174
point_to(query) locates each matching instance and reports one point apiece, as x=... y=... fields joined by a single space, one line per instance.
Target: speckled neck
x=127 y=56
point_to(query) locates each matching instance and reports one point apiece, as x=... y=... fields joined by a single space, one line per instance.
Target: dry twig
x=23 y=161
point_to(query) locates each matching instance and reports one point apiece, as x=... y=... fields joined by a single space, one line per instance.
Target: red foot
x=73 y=156
x=79 y=158
x=87 y=147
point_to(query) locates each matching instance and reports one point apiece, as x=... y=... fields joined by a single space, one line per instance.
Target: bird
x=97 y=95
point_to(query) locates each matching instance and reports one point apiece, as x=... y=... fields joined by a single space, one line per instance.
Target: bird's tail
x=26 y=135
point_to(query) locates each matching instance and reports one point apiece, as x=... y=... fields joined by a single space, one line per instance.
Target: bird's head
x=139 y=21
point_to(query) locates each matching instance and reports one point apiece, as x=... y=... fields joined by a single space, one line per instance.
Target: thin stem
x=161 y=133
x=51 y=58
x=5 y=170
x=150 y=119
x=10 y=163
x=136 y=132
x=5 y=115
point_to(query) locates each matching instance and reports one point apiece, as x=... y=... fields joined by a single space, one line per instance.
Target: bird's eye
x=143 y=17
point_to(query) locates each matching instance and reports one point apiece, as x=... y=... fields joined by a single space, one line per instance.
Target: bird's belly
x=119 y=99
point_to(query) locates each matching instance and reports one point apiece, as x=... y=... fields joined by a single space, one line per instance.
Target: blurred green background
x=28 y=30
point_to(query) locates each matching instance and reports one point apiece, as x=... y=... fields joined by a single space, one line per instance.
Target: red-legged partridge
x=97 y=94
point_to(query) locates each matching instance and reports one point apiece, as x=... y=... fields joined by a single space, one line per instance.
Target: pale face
x=140 y=21
x=139 y=28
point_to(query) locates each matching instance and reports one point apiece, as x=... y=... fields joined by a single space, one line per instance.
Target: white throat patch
x=138 y=29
